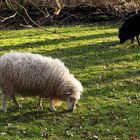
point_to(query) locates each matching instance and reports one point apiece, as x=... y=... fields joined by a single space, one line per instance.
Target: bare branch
x=12 y=16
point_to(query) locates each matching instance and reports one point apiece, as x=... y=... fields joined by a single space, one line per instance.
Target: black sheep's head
x=122 y=36
x=122 y=39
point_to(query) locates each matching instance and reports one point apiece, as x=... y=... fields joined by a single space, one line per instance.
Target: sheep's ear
x=68 y=93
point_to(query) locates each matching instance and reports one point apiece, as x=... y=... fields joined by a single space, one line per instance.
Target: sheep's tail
x=56 y=102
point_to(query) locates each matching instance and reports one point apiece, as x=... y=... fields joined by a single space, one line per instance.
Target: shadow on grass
x=29 y=115
x=38 y=44
x=103 y=50
x=59 y=31
x=93 y=54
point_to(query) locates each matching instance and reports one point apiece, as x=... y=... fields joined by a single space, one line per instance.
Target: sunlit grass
x=110 y=105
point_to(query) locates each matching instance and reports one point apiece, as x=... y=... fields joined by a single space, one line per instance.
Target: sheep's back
x=131 y=26
x=30 y=74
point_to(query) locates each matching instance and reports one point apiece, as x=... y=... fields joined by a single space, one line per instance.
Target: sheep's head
x=123 y=35
x=72 y=99
x=74 y=92
x=122 y=38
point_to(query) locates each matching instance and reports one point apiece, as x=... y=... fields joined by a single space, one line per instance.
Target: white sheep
x=34 y=75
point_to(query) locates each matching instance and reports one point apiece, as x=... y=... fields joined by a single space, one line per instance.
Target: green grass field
x=109 y=108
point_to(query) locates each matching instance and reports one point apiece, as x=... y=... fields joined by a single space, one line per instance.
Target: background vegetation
x=110 y=105
x=59 y=12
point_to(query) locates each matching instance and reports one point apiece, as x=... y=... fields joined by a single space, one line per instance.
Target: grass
x=110 y=106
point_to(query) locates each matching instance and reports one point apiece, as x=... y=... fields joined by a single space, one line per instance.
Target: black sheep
x=130 y=29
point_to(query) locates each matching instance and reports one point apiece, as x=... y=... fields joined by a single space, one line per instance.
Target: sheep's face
x=122 y=36
x=72 y=100
x=71 y=103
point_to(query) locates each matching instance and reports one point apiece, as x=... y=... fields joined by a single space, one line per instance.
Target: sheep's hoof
x=40 y=107
x=53 y=110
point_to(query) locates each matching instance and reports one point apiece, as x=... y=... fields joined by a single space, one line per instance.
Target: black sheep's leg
x=138 y=40
x=132 y=40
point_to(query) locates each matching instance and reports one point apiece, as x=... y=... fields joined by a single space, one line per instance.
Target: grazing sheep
x=34 y=75
x=130 y=29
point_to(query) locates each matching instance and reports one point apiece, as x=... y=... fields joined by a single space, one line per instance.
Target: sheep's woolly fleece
x=35 y=75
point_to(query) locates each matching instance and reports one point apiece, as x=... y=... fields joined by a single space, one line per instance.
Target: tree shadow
x=47 y=42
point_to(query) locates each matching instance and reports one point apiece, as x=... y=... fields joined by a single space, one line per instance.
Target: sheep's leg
x=4 y=105
x=15 y=101
x=40 y=103
x=132 y=40
x=51 y=105
x=138 y=40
